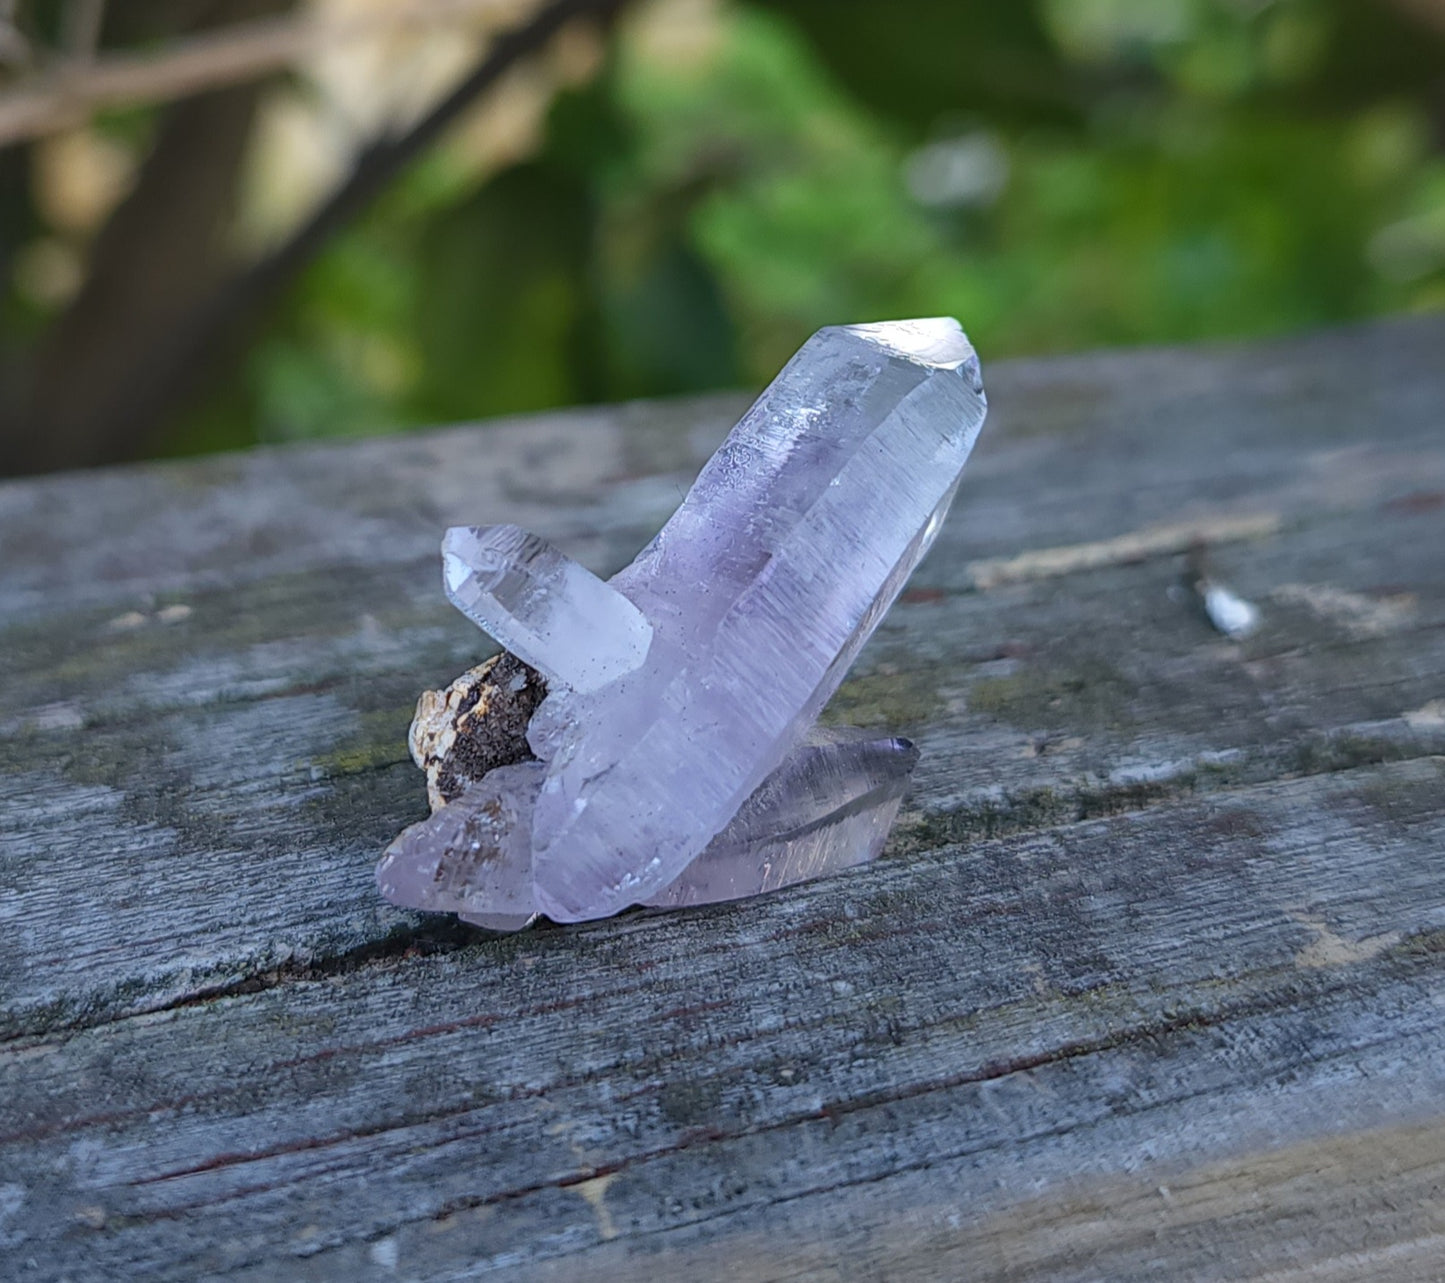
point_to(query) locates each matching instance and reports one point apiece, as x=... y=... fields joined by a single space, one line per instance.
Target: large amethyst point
x=761 y=590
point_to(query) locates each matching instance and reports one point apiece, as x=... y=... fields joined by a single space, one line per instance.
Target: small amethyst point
x=551 y=612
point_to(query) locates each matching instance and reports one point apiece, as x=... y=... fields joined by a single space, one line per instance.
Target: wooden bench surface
x=1150 y=984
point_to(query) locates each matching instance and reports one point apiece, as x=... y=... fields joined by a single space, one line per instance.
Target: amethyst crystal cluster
x=674 y=758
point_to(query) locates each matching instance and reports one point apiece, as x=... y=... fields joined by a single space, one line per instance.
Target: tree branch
x=83 y=22
x=1429 y=12
x=385 y=158
x=72 y=89
x=124 y=415
x=162 y=252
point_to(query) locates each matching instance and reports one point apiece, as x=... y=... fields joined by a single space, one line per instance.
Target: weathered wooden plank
x=1076 y=448
x=208 y=668
x=1165 y=910
x=1209 y=1033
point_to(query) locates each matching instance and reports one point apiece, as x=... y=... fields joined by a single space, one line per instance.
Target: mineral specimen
x=673 y=763
x=828 y=807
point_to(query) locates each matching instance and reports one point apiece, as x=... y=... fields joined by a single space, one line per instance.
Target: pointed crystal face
x=543 y=607
x=829 y=806
x=473 y=855
x=761 y=590
x=681 y=691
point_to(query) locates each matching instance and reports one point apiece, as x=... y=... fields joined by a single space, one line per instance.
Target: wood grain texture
x=1150 y=982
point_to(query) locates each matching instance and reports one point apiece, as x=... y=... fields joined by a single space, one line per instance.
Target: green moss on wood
x=690 y=1102
x=897 y=699
x=378 y=741
x=1089 y=695
x=1397 y=800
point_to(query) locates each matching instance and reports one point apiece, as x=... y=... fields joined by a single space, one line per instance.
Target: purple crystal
x=680 y=694
x=829 y=806
x=550 y=612
x=474 y=854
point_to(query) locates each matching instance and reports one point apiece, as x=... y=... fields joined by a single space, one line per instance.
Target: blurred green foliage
x=1059 y=174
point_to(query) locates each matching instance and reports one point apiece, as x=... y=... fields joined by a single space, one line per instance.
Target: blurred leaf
x=501 y=291
x=1060 y=174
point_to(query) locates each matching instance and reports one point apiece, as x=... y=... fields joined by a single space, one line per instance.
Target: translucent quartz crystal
x=473 y=855
x=761 y=589
x=830 y=805
x=548 y=610
x=681 y=692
